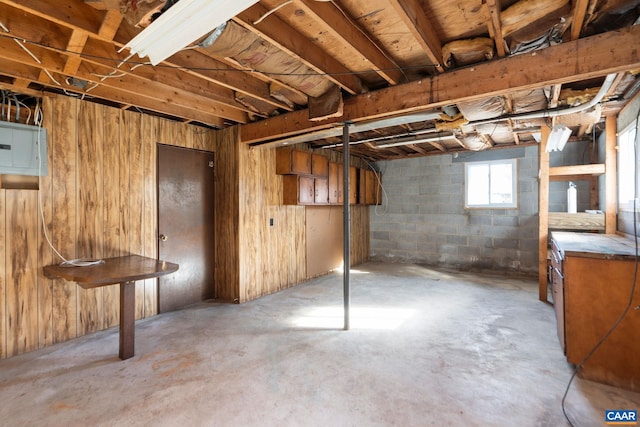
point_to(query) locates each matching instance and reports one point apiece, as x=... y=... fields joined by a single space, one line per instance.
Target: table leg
x=127 y=319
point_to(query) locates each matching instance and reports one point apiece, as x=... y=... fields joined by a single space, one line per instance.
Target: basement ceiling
x=412 y=77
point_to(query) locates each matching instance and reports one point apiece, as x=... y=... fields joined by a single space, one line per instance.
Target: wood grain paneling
x=21 y=266
x=111 y=189
x=63 y=171
x=98 y=200
x=227 y=214
x=139 y=128
x=90 y=209
x=150 y=205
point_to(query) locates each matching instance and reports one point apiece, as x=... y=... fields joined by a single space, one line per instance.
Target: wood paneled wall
x=274 y=258
x=99 y=200
x=227 y=205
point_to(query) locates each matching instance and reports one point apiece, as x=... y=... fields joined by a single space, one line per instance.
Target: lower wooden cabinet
x=592 y=284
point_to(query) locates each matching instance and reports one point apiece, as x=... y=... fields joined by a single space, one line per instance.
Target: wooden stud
x=543 y=212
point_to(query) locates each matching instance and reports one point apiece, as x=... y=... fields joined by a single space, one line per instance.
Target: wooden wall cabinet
x=370 y=191
x=319 y=165
x=304 y=190
x=323 y=180
x=291 y=161
x=592 y=282
x=336 y=183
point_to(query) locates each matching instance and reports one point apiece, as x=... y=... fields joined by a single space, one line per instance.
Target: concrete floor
x=426 y=348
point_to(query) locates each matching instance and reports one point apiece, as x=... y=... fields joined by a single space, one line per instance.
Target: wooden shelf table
x=125 y=271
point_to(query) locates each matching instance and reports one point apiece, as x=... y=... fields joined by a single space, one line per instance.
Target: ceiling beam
x=73 y=15
x=580 y=59
x=341 y=26
x=412 y=13
x=22 y=71
x=54 y=62
x=280 y=34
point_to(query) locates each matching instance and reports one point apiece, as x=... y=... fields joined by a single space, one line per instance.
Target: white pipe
x=554 y=113
x=417 y=141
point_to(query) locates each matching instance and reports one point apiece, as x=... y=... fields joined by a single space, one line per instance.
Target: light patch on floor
x=359 y=318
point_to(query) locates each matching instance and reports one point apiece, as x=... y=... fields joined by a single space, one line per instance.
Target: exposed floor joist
x=599 y=55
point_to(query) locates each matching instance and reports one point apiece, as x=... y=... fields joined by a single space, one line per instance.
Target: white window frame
x=627 y=167
x=492 y=205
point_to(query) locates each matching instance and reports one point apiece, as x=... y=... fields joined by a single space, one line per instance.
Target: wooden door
x=185 y=225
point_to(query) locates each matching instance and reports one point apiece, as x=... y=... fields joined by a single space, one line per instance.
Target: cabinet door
x=319 y=165
x=370 y=188
x=297 y=190
x=335 y=183
x=321 y=191
x=290 y=161
x=306 y=193
x=353 y=185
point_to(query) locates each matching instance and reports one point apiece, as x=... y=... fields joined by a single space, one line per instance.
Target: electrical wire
x=633 y=284
x=226 y=69
x=275 y=9
x=79 y=262
x=384 y=194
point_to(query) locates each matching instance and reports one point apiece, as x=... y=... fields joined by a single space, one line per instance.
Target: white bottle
x=572 y=198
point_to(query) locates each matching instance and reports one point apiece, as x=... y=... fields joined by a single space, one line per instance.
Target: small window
x=626 y=168
x=491 y=184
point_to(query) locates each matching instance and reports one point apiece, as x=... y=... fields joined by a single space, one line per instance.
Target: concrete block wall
x=424 y=219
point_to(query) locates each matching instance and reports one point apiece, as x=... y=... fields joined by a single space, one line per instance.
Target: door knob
x=163 y=237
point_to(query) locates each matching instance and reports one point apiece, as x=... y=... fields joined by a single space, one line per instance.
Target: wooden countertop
x=591 y=245
x=114 y=270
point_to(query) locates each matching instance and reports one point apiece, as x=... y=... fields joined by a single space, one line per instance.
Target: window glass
x=491 y=184
x=626 y=167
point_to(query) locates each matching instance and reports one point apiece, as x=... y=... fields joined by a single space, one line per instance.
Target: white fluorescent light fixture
x=182 y=24
x=558 y=138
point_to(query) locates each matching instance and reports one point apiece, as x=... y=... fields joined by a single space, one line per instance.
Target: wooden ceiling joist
x=76 y=45
x=81 y=17
x=579 y=14
x=280 y=34
x=53 y=61
x=495 y=27
x=599 y=55
x=412 y=13
x=349 y=32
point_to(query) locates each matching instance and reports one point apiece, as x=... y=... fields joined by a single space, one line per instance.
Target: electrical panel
x=23 y=149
